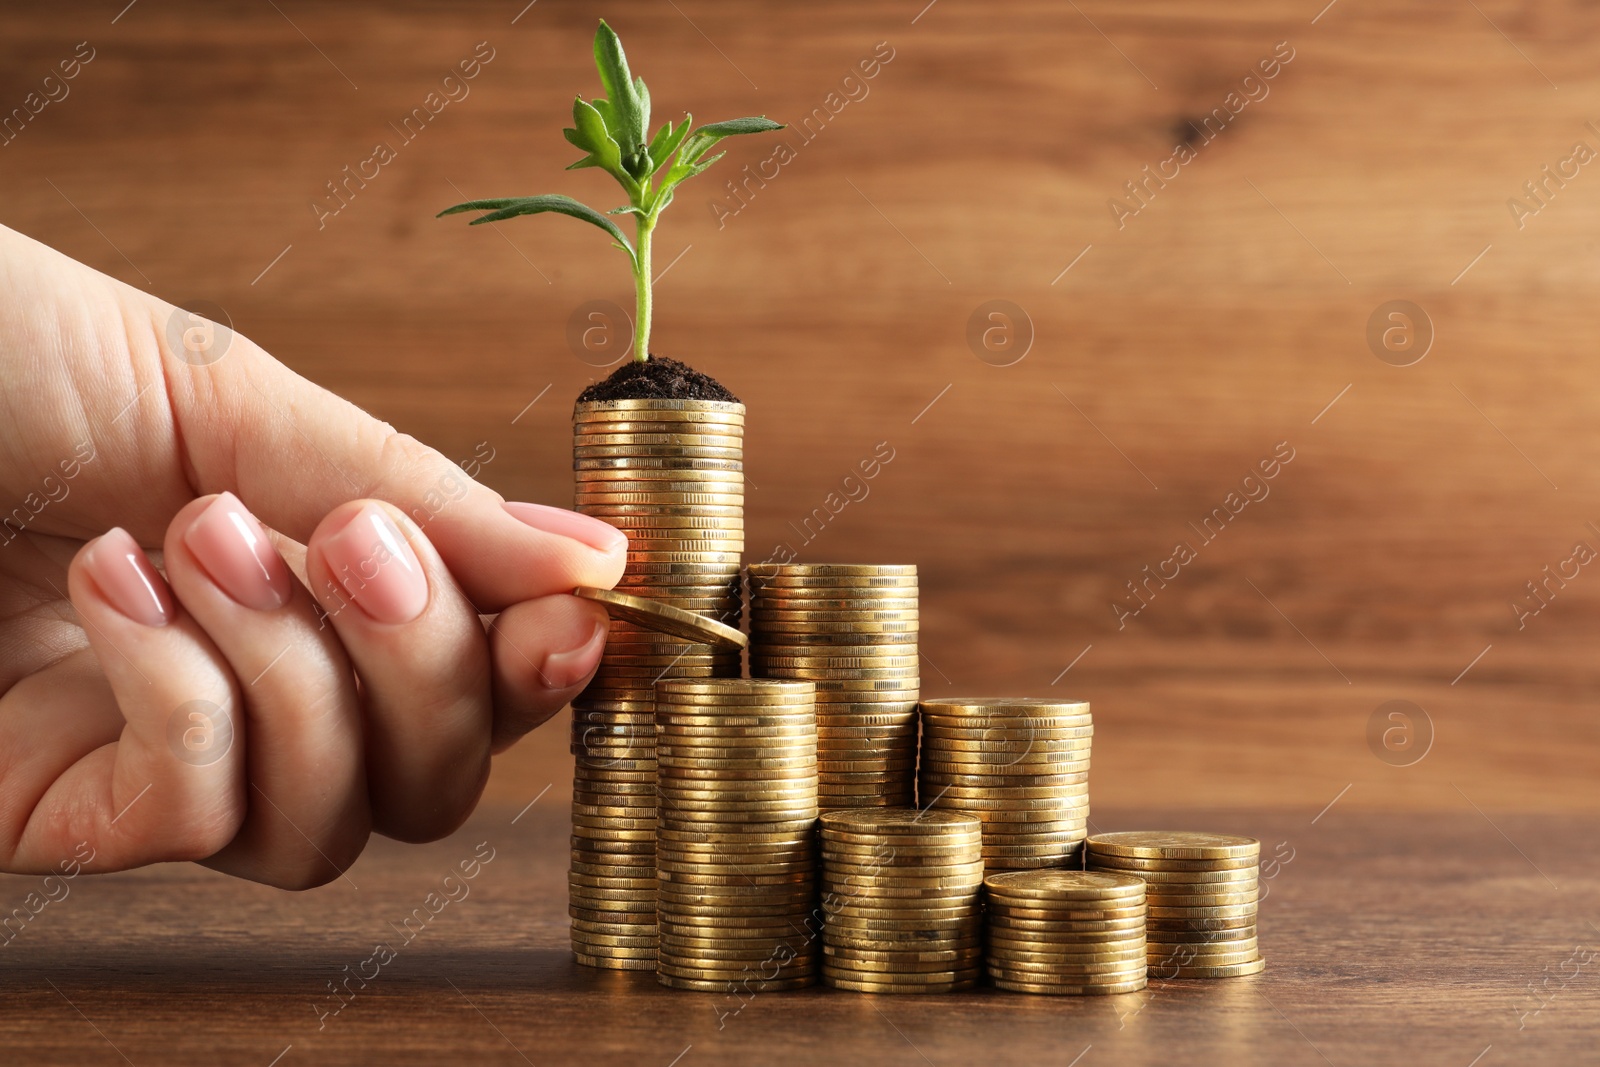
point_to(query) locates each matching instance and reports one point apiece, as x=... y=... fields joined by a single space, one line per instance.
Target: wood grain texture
x=1227 y=315
x=1389 y=938
x=1174 y=355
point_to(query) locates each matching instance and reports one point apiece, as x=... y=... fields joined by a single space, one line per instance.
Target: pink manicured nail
x=233 y=548
x=129 y=581
x=592 y=532
x=564 y=669
x=371 y=560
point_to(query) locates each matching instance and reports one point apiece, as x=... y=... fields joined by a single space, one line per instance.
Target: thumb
x=294 y=451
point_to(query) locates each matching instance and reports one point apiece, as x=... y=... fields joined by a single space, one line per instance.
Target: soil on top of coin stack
x=657 y=378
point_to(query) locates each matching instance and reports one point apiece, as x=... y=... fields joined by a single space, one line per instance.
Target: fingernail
x=233 y=548
x=371 y=560
x=130 y=582
x=562 y=670
x=598 y=535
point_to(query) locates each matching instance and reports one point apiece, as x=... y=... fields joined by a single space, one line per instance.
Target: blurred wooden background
x=978 y=164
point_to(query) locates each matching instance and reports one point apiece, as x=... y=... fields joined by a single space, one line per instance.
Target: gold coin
x=753 y=970
x=648 y=477
x=911 y=926
x=762 y=604
x=654 y=407
x=740 y=987
x=692 y=931
x=1202 y=927
x=902 y=824
x=593 y=436
x=639 y=947
x=1070 y=955
x=1174 y=844
x=1231 y=970
x=1170 y=938
x=1005 y=705
x=789 y=571
x=616 y=929
x=1197 y=914
x=953 y=875
x=1022 y=733
x=1136 y=866
x=868 y=985
x=643 y=437
x=1179 y=902
x=943 y=719
x=1058 y=885
x=588 y=960
x=1023 y=927
x=773 y=837
x=1200 y=881
x=737 y=687
x=1015 y=985
x=842 y=976
x=591 y=419
x=1131 y=924
x=713 y=963
x=768 y=617
x=657 y=457
x=762 y=669
x=839 y=941
x=853 y=629
x=772 y=661
x=1048 y=796
x=834 y=644
x=603 y=500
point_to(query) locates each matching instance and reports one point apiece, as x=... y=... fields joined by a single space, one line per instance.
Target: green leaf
x=703 y=165
x=614 y=76
x=666 y=142
x=733 y=127
x=706 y=136
x=511 y=207
x=643 y=96
x=607 y=114
x=592 y=137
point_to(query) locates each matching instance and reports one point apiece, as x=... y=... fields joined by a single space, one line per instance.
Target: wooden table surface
x=1389 y=938
x=1175 y=347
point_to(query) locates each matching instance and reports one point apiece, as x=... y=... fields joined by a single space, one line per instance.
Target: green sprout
x=612 y=131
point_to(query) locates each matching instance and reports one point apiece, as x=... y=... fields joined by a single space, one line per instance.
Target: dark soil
x=658 y=378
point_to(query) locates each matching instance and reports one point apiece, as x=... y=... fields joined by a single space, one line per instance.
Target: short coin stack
x=669 y=474
x=1202 y=893
x=1020 y=765
x=851 y=629
x=901 y=896
x=735 y=842
x=1066 y=932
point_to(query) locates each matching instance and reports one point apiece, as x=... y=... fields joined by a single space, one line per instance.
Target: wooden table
x=1390 y=939
x=1173 y=350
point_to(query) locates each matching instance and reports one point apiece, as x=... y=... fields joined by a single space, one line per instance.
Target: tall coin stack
x=902 y=900
x=1066 y=932
x=735 y=840
x=669 y=474
x=1202 y=890
x=853 y=631
x=1020 y=765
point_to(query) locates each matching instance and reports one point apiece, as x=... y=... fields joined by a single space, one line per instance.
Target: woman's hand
x=311 y=666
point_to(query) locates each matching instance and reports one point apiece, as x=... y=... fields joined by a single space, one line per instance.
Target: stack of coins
x=853 y=631
x=1202 y=891
x=1022 y=766
x=1066 y=932
x=669 y=474
x=901 y=900
x=735 y=841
